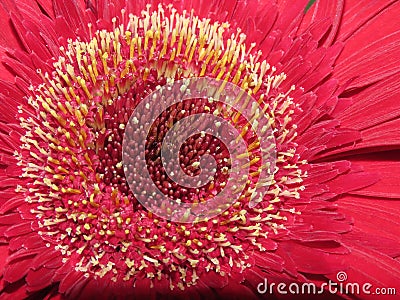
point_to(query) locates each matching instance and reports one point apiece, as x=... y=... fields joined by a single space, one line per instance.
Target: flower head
x=72 y=215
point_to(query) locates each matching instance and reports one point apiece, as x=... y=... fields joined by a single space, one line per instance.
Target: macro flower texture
x=326 y=78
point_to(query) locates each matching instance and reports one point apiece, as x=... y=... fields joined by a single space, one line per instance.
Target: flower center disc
x=250 y=154
x=72 y=152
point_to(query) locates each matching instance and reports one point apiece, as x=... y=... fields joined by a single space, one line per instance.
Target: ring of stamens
x=71 y=151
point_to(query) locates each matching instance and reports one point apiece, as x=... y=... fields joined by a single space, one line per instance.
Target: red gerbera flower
x=74 y=72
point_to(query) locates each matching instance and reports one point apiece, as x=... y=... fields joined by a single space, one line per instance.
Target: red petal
x=18 y=266
x=304 y=258
x=29 y=241
x=366 y=265
x=18 y=229
x=63 y=271
x=325 y=9
x=378 y=242
x=10 y=141
x=14 y=291
x=72 y=283
x=372 y=216
x=387 y=167
x=72 y=13
x=214 y=280
x=385 y=134
x=268 y=261
x=47 y=6
x=290 y=14
x=47 y=259
x=36 y=7
x=3 y=256
x=323 y=221
x=315 y=236
x=352 y=182
x=39 y=279
x=358 y=13
x=7 y=36
x=11 y=204
x=370 y=54
x=323 y=172
x=10 y=219
x=380 y=137
x=384 y=95
x=9 y=96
